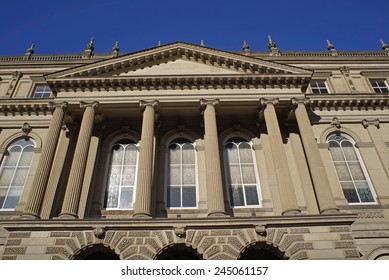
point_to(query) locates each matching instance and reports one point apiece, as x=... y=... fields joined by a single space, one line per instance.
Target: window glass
x=379 y=86
x=349 y=169
x=14 y=171
x=241 y=176
x=42 y=91
x=319 y=87
x=181 y=174
x=122 y=175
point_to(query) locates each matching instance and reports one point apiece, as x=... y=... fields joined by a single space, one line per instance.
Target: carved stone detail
x=371 y=215
x=298 y=247
x=139 y=233
x=222 y=257
x=218 y=232
x=89 y=238
x=15 y=250
x=189 y=236
x=19 y=235
x=213 y=251
x=146 y=251
x=335 y=122
x=153 y=243
x=118 y=236
x=60 y=234
x=300 y=256
x=169 y=236
x=80 y=238
x=346 y=237
x=231 y=251
x=99 y=232
x=198 y=237
x=58 y=250
x=125 y=243
x=270 y=235
x=235 y=242
x=261 y=230
x=14 y=242
x=339 y=229
x=180 y=231
x=279 y=235
x=344 y=244
x=69 y=242
x=352 y=254
x=160 y=237
x=299 y=230
x=129 y=252
x=9 y=258
x=289 y=240
x=207 y=243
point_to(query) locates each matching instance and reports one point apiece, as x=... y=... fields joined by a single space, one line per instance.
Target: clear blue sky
x=59 y=27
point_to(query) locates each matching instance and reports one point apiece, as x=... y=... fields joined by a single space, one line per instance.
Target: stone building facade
x=187 y=152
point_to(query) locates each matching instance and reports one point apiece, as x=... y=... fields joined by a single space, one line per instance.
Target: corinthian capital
x=265 y=101
x=297 y=101
x=62 y=105
x=143 y=103
x=205 y=102
x=93 y=104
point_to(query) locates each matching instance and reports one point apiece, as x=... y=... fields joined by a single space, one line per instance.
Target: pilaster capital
x=375 y=122
x=205 y=102
x=54 y=105
x=144 y=103
x=94 y=105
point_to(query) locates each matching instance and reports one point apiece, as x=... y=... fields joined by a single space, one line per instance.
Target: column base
x=30 y=216
x=67 y=216
x=217 y=214
x=330 y=211
x=142 y=215
x=291 y=212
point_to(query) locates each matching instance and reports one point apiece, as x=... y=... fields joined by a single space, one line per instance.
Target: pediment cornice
x=113 y=71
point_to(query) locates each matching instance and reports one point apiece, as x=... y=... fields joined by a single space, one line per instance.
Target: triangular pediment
x=177 y=61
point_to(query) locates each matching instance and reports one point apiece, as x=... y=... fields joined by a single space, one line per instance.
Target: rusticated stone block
x=58 y=250
x=60 y=234
x=299 y=246
x=339 y=229
x=146 y=252
x=69 y=242
x=198 y=237
x=15 y=250
x=280 y=233
x=125 y=243
x=344 y=244
x=9 y=257
x=14 y=242
x=207 y=242
x=139 y=233
x=129 y=252
x=235 y=242
x=221 y=257
x=213 y=251
x=19 y=235
x=118 y=236
x=289 y=240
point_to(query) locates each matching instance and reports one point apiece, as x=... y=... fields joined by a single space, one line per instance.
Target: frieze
x=15 y=250
x=344 y=244
x=19 y=235
x=299 y=246
x=145 y=251
x=60 y=234
x=14 y=242
x=125 y=243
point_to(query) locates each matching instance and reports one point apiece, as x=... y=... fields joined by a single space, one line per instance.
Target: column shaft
x=76 y=176
x=284 y=180
x=34 y=202
x=320 y=180
x=142 y=207
x=215 y=193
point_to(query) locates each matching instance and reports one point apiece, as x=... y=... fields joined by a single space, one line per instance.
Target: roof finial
x=159 y=43
x=202 y=43
x=384 y=46
x=115 y=49
x=246 y=47
x=331 y=48
x=30 y=51
x=89 y=49
x=272 y=46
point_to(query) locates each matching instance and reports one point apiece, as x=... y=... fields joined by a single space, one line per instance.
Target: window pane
x=13 y=197
x=128 y=176
x=251 y=195
x=364 y=192
x=342 y=170
x=13 y=156
x=126 y=198
x=174 y=196
x=188 y=154
x=174 y=175
x=189 y=196
x=236 y=193
x=336 y=151
x=114 y=178
x=113 y=197
x=174 y=154
x=188 y=175
x=6 y=176
x=232 y=153
x=117 y=155
x=349 y=151
x=245 y=153
x=25 y=159
x=350 y=192
x=20 y=176
x=3 y=193
x=130 y=155
x=234 y=172
x=248 y=174
x=356 y=171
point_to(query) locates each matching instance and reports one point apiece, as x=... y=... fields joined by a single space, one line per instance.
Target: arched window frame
x=167 y=172
x=14 y=168
x=107 y=184
x=226 y=173
x=361 y=164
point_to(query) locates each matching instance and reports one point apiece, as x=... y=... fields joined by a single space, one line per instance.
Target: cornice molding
x=22 y=109
x=344 y=102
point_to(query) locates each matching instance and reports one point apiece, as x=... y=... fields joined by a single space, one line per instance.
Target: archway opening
x=261 y=251
x=179 y=252
x=97 y=252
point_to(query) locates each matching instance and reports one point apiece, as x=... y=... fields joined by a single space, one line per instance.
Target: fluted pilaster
x=142 y=206
x=215 y=194
x=320 y=180
x=284 y=180
x=34 y=202
x=76 y=176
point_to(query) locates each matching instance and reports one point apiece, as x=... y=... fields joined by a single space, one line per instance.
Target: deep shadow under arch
x=179 y=252
x=97 y=252
x=261 y=251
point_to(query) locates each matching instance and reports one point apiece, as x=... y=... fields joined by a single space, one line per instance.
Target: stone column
x=76 y=176
x=284 y=180
x=215 y=193
x=34 y=202
x=320 y=180
x=372 y=127
x=143 y=200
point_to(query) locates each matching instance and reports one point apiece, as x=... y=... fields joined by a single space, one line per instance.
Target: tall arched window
x=181 y=174
x=122 y=175
x=14 y=171
x=242 y=179
x=350 y=170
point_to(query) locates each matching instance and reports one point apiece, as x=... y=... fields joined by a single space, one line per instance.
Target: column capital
x=265 y=101
x=53 y=105
x=366 y=123
x=94 y=104
x=297 y=101
x=205 y=102
x=144 y=103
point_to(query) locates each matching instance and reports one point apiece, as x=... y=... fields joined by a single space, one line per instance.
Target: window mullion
x=241 y=176
x=349 y=170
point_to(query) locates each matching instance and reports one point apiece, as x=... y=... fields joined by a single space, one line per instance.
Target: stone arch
x=178 y=251
x=174 y=134
x=15 y=136
x=261 y=251
x=333 y=130
x=241 y=133
x=96 y=252
x=381 y=253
